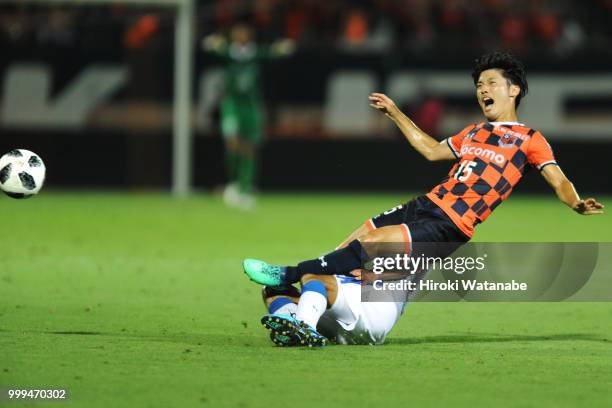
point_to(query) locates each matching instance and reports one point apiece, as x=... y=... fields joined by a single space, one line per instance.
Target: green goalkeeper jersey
x=241 y=105
x=242 y=70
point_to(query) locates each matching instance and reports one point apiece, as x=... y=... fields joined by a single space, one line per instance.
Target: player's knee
x=370 y=238
x=391 y=233
x=327 y=281
x=307 y=277
x=269 y=293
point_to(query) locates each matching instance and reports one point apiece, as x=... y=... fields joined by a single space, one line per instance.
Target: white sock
x=288 y=309
x=311 y=307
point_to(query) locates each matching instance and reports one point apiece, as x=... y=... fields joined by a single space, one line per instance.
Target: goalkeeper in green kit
x=241 y=106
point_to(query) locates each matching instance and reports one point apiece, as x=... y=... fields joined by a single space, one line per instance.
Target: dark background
x=549 y=36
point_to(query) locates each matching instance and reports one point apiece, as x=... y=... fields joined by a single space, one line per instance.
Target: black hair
x=512 y=69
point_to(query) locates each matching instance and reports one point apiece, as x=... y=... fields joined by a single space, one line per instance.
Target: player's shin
x=282 y=306
x=280 y=300
x=312 y=304
x=339 y=262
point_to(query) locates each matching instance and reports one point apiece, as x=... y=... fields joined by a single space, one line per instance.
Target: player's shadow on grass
x=164 y=337
x=209 y=339
x=495 y=338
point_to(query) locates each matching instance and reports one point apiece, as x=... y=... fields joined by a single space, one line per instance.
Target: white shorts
x=351 y=321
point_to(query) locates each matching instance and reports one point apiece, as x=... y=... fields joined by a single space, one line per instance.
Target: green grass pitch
x=138 y=300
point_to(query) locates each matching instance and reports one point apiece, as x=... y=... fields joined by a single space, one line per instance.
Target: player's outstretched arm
x=429 y=147
x=567 y=193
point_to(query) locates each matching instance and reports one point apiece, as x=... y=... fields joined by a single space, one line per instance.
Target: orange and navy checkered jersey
x=493 y=157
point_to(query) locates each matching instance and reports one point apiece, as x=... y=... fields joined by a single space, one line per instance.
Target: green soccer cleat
x=263 y=273
x=287 y=331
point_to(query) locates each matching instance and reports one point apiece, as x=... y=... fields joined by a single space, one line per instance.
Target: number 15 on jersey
x=464 y=171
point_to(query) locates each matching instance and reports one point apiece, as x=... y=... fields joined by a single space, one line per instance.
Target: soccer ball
x=22 y=173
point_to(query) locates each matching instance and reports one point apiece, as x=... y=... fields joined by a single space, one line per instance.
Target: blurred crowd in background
x=104 y=73
x=560 y=29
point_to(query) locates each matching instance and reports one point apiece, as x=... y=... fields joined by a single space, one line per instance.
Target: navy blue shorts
x=422 y=222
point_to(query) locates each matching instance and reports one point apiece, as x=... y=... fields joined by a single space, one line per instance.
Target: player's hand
x=356 y=273
x=590 y=206
x=384 y=104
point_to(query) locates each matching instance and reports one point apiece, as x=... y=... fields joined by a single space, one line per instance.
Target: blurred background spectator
x=100 y=78
x=547 y=28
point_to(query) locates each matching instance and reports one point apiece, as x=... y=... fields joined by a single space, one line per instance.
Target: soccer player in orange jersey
x=491 y=158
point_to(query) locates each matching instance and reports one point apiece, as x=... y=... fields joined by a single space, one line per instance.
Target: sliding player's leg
x=329 y=309
x=281 y=302
x=417 y=221
x=341 y=316
x=350 y=321
x=300 y=328
x=317 y=293
x=360 y=232
x=339 y=262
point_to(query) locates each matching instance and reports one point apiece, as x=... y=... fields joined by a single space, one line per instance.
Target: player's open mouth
x=488 y=102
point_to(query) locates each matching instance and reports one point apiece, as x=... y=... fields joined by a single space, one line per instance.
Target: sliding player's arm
x=429 y=147
x=567 y=193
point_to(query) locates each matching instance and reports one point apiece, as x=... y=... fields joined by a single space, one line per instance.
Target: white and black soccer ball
x=22 y=173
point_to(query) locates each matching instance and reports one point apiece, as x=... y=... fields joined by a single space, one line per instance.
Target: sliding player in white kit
x=332 y=305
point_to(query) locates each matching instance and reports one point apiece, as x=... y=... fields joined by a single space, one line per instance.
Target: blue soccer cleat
x=287 y=331
x=313 y=337
x=265 y=274
x=283 y=340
